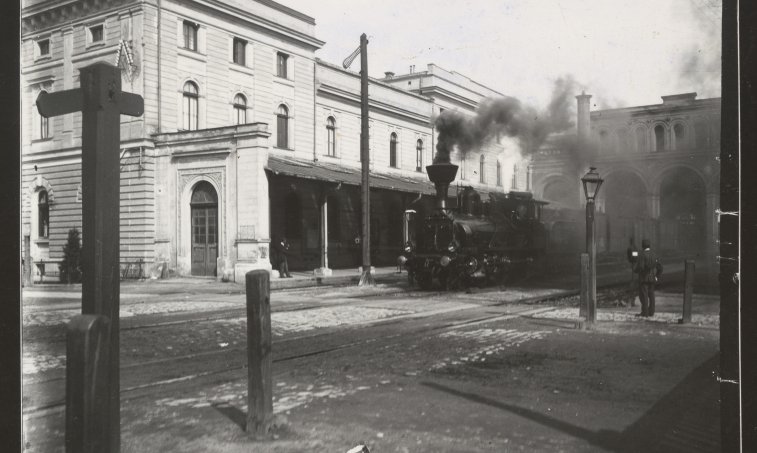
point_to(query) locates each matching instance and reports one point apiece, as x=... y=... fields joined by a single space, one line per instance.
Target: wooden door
x=204 y=230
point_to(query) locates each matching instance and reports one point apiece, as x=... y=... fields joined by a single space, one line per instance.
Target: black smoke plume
x=509 y=117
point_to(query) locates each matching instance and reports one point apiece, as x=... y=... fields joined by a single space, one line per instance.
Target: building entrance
x=204 y=206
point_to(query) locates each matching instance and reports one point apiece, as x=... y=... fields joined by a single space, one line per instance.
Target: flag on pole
x=348 y=61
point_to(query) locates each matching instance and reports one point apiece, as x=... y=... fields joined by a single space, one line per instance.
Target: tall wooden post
x=367 y=277
x=688 y=291
x=583 y=307
x=259 y=359
x=101 y=102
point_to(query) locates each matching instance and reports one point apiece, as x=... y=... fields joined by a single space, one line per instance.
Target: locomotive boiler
x=475 y=243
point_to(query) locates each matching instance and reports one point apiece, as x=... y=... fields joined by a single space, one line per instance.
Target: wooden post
x=583 y=307
x=688 y=291
x=101 y=102
x=87 y=385
x=366 y=278
x=591 y=237
x=259 y=386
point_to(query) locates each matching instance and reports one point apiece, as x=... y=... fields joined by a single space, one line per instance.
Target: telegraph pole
x=366 y=278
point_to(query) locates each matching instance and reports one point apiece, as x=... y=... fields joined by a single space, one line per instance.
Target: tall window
x=43 y=215
x=96 y=33
x=240 y=109
x=659 y=138
x=680 y=136
x=622 y=145
x=514 y=183
x=331 y=138
x=481 y=167
x=281 y=65
x=641 y=144
x=44 y=124
x=282 y=127
x=239 y=51
x=189 y=114
x=393 y=150
x=603 y=142
x=499 y=173
x=419 y=156
x=462 y=166
x=190 y=35
x=43 y=47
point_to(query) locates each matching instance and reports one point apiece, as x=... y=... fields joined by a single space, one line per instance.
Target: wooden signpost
x=101 y=102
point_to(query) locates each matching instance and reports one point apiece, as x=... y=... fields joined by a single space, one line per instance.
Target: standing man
x=282 y=250
x=632 y=254
x=649 y=270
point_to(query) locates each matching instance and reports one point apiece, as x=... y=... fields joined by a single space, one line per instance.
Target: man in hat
x=632 y=254
x=649 y=270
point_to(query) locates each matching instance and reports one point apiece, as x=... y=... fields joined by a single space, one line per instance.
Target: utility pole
x=366 y=278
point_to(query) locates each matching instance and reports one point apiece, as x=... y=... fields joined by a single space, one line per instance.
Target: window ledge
x=193 y=54
x=42 y=241
x=241 y=68
x=284 y=149
x=94 y=45
x=283 y=81
x=42 y=140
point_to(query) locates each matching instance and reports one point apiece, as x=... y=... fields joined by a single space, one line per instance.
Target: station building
x=661 y=170
x=246 y=136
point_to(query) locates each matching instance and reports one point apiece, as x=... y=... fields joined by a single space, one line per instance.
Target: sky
x=622 y=52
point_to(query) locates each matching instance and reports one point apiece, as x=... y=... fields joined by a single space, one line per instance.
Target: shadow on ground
x=687 y=419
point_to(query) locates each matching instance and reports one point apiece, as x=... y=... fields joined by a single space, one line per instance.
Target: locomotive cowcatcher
x=475 y=243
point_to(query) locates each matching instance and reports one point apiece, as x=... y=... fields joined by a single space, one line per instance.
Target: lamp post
x=591 y=182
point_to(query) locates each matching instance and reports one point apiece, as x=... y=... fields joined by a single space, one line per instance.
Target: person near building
x=632 y=254
x=281 y=247
x=649 y=269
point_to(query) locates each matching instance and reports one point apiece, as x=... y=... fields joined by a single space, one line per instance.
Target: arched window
x=419 y=155
x=680 y=136
x=641 y=140
x=481 y=167
x=240 y=109
x=282 y=127
x=43 y=215
x=393 y=150
x=189 y=115
x=331 y=136
x=44 y=124
x=499 y=173
x=659 y=138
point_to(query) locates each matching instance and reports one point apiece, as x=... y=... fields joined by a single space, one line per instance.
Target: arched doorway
x=204 y=206
x=682 y=211
x=624 y=196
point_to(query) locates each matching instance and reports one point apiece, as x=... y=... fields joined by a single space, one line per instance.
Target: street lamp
x=591 y=182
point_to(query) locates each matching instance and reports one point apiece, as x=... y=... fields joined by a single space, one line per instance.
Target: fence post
x=583 y=308
x=259 y=359
x=688 y=291
x=88 y=417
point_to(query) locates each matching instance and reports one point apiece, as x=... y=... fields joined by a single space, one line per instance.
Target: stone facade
x=228 y=86
x=660 y=166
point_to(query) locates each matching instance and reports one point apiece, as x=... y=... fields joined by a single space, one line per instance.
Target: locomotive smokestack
x=441 y=175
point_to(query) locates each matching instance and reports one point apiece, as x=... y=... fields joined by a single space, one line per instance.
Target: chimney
x=388 y=75
x=441 y=175
x=584 y=105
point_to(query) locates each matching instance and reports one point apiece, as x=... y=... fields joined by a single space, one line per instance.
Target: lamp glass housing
x=591 y=182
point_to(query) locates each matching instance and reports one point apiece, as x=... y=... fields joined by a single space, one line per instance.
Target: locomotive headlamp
x=591 y=182
x=453 y=246
x=445 y=260
x=408 y=249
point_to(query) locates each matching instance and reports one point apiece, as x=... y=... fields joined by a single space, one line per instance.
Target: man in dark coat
x=281 y=247
x=649 y=270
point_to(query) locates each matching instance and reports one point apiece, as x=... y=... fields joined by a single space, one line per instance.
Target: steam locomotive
x=476 y=243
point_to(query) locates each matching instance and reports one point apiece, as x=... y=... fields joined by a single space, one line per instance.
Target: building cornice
x=354 y=98
x=371 y=80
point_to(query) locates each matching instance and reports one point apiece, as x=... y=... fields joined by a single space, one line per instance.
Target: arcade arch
x=682 y=194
